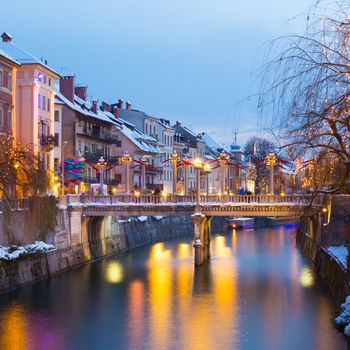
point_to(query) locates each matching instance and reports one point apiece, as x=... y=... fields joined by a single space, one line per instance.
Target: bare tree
x=307 y=87
x=255 y=152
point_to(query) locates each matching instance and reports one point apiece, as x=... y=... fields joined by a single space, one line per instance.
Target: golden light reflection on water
x=160 y=286
x=307 y=278
x=201 y=299
x=136 y=312
x=114 y=272
x=184 y=251
x=14 y=329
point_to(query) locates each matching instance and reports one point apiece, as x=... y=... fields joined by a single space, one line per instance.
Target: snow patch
x=340 y=253
x=15 y=252
x=157 y=217
x=344 y=318
x=142 y=218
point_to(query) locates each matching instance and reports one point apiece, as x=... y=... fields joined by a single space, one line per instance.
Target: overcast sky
x=187 y=60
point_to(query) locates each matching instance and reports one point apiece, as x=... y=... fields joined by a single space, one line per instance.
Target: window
x=57 y=141
x=39 y=101
x=9 y=81
x=1 y=116
x=48 y=105
x=1 y=77
x=146 y=128
x=9 y=118
x=57 y=116
x=44 y=102
x=49 y=81
x=44 y=79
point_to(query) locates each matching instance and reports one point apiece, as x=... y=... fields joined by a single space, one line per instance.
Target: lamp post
x=222 y=160
x=271 y=161
x=126 y=160
x=198 y=166
x=174 y=159
x=143 y=174
x=101 y=163
x=207 y=171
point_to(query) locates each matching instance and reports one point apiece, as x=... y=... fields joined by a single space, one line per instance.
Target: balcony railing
x=93 y=157
x=98 y=135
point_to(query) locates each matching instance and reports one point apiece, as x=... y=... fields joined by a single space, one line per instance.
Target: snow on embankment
x=15 y=252
x=340 y=253
x=344 y=318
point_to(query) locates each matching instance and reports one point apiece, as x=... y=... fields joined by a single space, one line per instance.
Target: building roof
x=212 y=143
x=8 y=57
x=22 y=56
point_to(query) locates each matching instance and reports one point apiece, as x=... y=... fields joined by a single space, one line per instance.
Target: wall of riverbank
x=99 y=237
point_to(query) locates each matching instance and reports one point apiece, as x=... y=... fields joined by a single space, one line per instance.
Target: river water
x=257 y=292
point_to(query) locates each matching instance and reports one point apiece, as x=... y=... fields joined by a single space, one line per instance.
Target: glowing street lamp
x=101 y=164
x=174 y=159
x=271 y=161
x=207 y=171
x=126 y=159
x=198 y=165
x=222 y=160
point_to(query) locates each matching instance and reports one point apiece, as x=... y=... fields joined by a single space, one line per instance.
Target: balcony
x=93 y=157
x=96 y=134
x=150 y=169
x=47 y=143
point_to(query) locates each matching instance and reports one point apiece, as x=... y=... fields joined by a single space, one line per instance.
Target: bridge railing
x=191 y=200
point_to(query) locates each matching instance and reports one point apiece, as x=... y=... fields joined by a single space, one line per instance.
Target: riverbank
x=115 y=234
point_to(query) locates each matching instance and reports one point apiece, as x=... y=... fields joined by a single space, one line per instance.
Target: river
x=257 y=292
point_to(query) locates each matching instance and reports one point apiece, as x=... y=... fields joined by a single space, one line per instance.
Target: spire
x=234 y=146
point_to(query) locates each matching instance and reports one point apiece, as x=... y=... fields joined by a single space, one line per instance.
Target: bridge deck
x=128 y=205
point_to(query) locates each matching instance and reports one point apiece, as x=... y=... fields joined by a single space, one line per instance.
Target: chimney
x=67 y=87
x=6 y=37
x=94 y=106
x=106 y=106
x=120 y=104
x=81 y=91
x=178 y=123
x=116 y=112
x=128 y=105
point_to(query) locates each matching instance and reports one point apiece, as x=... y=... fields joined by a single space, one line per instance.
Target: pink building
x=8 y=69
x=34 y=101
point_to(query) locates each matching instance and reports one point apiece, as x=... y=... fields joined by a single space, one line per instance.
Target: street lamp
x=198 y=165
x=174 y=159
x=271 y=161
x=222 y=160
x=127 y=159
x=101 y=164
x=207 y=171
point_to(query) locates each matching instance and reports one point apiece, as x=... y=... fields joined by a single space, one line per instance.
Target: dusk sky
x=187 y=60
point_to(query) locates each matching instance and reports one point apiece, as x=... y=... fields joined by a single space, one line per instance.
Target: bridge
x=201 y=208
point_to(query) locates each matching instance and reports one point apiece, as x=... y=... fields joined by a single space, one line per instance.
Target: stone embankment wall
x=79 y=240
x=319 y=232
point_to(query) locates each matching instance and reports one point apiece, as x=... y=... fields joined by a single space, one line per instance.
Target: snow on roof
x=22 y=56
x=4 y=54
x=83 y=107
x=211 y=143
x=139 y=139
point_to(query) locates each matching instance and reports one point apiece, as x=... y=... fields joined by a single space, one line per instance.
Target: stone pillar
x=201 y=238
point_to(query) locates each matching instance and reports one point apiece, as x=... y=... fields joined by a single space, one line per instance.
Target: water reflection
x=256 y=292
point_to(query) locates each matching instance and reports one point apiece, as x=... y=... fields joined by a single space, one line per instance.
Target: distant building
x=189 y=146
